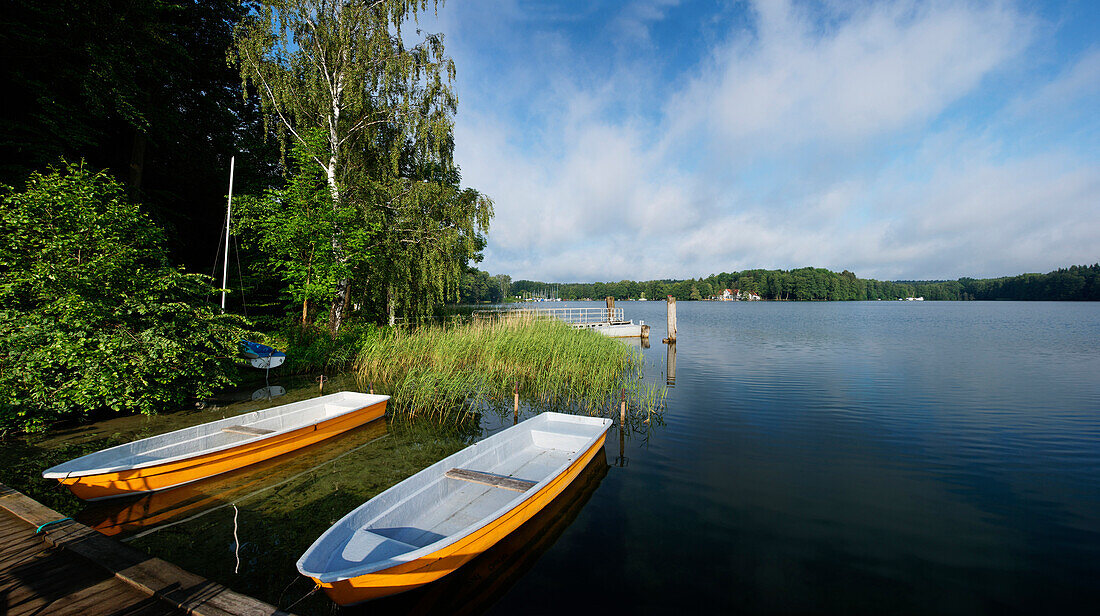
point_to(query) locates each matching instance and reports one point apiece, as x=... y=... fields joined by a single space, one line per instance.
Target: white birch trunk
x=391 y=307
x=336 y=312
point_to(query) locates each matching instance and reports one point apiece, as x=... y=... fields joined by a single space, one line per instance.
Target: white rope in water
x=250 y=495
x=236 y=542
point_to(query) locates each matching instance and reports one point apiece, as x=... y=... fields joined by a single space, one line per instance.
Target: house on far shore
x=736 y=295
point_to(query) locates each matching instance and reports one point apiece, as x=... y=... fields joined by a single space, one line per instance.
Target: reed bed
x=448 y=373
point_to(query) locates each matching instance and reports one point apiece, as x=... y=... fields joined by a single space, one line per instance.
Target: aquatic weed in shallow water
x=446 y=374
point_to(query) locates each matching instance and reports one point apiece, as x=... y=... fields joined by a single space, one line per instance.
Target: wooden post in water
x=622 y=411
x=621 y=460
x=371 y=386
x=515 y=394
x=671 y=320
x=610 y=308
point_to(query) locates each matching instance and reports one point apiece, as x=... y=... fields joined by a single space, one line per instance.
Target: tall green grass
x=448 y=373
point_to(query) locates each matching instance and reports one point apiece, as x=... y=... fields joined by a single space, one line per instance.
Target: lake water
x=877 y=457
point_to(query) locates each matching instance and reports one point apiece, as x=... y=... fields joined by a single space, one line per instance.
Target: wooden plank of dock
x=38 y=579
x=71 y=569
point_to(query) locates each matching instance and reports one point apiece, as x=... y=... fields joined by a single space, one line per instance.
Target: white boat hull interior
x=430 y=510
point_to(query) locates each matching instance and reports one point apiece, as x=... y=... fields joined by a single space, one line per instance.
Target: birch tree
x=428 y=230
x=343 y=67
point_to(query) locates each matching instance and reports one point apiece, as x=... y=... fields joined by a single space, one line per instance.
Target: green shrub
x=91 y=316
x=313 y=349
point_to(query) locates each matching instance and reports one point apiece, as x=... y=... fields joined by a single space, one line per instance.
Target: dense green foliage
x=314 y=350
x=91 y=316
x=1075 y=283
x=799 y=284
x=479 y=287
x=429 y=232
x=292 y=227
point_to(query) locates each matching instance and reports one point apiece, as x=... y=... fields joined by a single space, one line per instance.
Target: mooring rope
x=286 y=588
x=39 y=529
x=236 y=542
x=240 y=276
x=304 y=597
x=300 y=599
x=218 y=249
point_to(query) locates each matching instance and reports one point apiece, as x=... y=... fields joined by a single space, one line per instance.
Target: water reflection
x=670 y=364
x=621 y=461
x=145 y=514
x=269 y=392
x=479 y=583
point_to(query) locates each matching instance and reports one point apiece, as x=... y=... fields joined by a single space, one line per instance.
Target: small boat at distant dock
x=442 y=517
x=180 y=457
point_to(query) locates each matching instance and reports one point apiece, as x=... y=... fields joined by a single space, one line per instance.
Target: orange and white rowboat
x=173 y=459
x=440 y=518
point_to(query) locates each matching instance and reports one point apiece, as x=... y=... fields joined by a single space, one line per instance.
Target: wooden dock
x=609 y=321
x=68 y=568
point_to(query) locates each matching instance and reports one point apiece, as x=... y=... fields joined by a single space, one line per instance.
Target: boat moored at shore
x=180 y=457
x=442 y=517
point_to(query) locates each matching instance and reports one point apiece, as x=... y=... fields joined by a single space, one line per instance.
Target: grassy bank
x=447 y=373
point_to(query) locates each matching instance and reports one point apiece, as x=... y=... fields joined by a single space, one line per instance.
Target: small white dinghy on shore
x=440 y=518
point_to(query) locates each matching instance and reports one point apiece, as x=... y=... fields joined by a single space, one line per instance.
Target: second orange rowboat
x=442 y=517
x=173 y=459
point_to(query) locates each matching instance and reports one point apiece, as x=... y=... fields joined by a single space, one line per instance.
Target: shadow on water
x=476 y=586
x=130 y=516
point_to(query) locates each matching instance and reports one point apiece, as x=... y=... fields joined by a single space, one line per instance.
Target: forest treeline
x=1074 y=283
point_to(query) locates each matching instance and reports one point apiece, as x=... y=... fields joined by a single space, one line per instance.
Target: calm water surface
x=814 y=457
x=851 y=457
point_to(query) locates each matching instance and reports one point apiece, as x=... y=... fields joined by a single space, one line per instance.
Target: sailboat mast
x=228 y=215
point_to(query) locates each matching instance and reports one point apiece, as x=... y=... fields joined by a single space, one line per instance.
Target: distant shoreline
x=1073 y=283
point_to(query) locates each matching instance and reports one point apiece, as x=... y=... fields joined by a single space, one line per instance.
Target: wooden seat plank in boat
x=247 y=430
x=435 y=521
x=489 y=479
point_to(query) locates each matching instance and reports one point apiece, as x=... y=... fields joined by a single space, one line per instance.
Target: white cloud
x=800 y=141
x=884 y=67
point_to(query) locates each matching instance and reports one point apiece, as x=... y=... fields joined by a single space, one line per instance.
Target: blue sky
x=665 y=138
